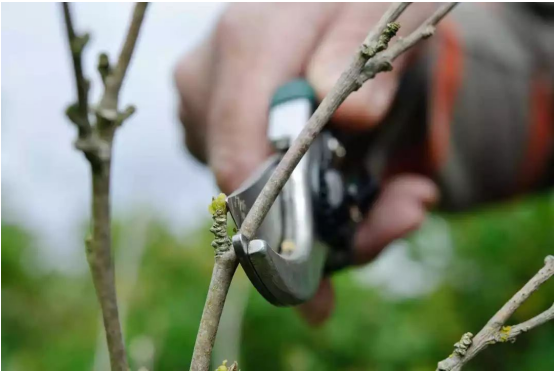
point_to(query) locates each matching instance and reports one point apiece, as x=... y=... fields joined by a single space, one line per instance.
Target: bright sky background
x=45 y=182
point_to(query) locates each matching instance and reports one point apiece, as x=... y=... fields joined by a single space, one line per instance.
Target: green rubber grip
x=293 y=90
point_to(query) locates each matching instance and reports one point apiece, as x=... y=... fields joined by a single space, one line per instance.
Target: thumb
x=400 y=209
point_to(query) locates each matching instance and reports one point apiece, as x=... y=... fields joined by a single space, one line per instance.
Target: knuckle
x=229 y=28
x=226 y=174
x=231 y=167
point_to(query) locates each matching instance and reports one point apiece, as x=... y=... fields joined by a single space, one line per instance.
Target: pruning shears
x=309 y=230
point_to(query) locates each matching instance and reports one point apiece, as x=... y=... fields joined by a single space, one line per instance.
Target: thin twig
x=96 y=143
x=494 y=331
x=114 y=81
x=526 y=326
x=350 y=81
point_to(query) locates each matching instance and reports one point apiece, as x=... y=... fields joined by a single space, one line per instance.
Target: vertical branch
x=95 y=141
x=99 y=257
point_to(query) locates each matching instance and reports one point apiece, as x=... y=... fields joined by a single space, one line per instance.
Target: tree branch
x=494 y=331
x=350 y=81
x=96 y=143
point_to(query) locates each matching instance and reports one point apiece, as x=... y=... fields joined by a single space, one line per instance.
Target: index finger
x=259 y=47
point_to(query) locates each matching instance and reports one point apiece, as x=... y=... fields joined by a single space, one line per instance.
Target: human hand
x=225 y=86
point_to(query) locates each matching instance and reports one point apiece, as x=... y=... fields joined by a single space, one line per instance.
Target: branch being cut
x=95 y=141
x=350 y=80
x=369 y=59
x=494 y=331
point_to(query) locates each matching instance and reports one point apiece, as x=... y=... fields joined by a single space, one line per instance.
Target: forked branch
x=495 y=331
x=95 y=141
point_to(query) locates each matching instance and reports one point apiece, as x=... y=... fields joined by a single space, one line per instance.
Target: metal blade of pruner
x=310 y=227
x=282 y=261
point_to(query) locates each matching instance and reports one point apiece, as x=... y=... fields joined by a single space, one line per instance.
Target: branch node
x=428 y=31
x=78 y=43
x=122 y=116
x=504 y=336
x=89 y=247
x=104 y=67
x=94 y=148
x=74 y=115
x=109 y=115
x=386 y=35
x=464 y=344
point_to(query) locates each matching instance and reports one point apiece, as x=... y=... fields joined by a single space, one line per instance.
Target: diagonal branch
x=368 y=56
x=114 y=81
x=494 y=331
x=350 y=80
x=526 y=326
x=95 y=141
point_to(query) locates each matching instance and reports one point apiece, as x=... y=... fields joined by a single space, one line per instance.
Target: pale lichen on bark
x=464 y=344
x=386 y=35
x=224 y=367
x=218 y=210
x=221 y=278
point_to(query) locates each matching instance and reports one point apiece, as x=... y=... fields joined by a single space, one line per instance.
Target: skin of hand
x=225 y=86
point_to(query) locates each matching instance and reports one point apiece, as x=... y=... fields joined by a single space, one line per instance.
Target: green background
x=50 y=320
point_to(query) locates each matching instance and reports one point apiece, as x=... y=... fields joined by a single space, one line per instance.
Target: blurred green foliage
x=50 y=320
